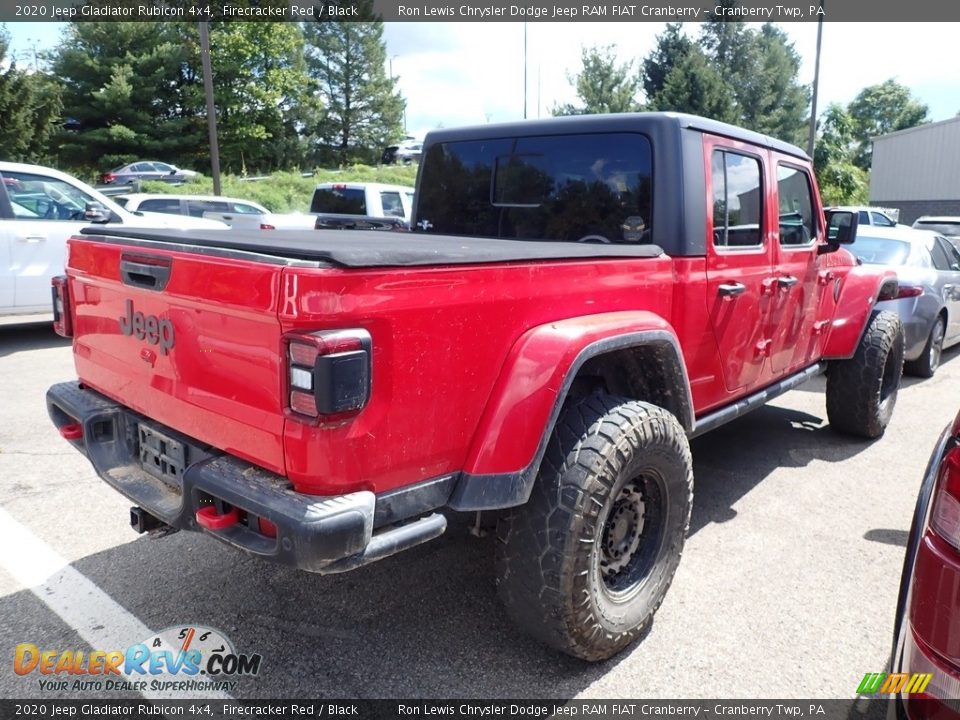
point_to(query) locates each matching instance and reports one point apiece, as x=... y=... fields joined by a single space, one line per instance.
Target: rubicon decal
x=154 y=330
x=190 y=657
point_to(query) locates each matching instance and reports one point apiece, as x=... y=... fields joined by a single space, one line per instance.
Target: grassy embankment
x=288 y=191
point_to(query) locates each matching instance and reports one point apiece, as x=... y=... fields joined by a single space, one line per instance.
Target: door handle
x=786 y=281
x=228 y=217
x=32 y=238
x=732 y=289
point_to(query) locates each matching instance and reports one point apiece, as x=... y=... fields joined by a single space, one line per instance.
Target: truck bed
x=365 y=249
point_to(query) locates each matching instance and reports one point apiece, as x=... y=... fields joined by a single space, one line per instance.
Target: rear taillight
x=267 y=226
x=932 y=679
x=328 y=372
x=62 y=322
x=945 y=516
x=108 y=178
x=908 y=291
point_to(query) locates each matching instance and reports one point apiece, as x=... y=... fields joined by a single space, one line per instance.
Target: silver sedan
x=928 y=269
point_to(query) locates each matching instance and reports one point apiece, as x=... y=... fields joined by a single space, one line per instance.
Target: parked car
x=235 y=212
x=948 y=226
x=866 y=215
x=925 y=636
x=928 y=300
x=146 y=170
x=361 y=198
x=408 y=153
x=39 y=209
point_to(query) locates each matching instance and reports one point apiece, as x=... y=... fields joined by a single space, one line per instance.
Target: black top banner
x=851 y=11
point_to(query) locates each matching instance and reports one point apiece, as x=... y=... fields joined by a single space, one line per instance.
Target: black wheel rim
x=631 y=537
x=936 y=344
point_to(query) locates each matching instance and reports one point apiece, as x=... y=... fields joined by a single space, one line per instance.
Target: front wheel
x=862 y=391
x=584 y=565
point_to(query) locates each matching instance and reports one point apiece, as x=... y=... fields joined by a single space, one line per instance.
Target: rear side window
x=592 y=187
x=881 y=220
x=170 y=206
x=341 y=201
x=737 y=199
x=797 y=224
x=392 y=206
x=197 y=208
x=940 y=259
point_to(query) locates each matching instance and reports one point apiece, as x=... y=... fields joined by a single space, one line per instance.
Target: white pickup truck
x=362 y=198
x=39 y=209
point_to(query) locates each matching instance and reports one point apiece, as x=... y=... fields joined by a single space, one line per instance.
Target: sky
x=471 y=73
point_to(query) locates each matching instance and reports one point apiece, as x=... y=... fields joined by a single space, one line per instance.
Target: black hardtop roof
x=618 y=122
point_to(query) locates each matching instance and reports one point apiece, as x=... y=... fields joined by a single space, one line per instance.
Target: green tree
x=134 y=88
x=603 y=85
x=841 y=181
x=263 y=94
x=770 y=98
x=881 y=109
x=733 y=73
x=30 y=108
x=362 y=106
x=693 y=85
x=672 y=46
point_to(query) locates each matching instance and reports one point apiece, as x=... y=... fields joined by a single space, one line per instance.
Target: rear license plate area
x=161 y=455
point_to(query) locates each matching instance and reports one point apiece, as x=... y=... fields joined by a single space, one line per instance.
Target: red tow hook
x=209 y=518
x=73 y=431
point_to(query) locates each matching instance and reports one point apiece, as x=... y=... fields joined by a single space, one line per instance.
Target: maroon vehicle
x=926 y=638
x=579 y=297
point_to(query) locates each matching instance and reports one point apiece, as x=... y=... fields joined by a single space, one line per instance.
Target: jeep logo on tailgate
x=147 y=327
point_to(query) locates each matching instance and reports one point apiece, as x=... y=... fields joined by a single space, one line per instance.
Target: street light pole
x=211 y=108
x=811 y=140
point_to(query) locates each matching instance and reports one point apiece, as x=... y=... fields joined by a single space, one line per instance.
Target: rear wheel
x=862 y=391
x=585 y=564
x=928 y=362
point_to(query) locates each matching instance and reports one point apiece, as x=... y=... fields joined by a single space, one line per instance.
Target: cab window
x=797 y=221
x=737 y=200
x=44 y=198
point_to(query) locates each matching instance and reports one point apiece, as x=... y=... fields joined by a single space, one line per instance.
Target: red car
x=578 y=297
x=927 y=630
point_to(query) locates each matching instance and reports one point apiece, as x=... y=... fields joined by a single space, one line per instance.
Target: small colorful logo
x=893 y=683
x=192 y=657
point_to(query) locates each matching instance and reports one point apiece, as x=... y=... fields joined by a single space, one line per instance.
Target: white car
x=866 y=215
x=363 y=198
x=39 y=209
x=234 y=212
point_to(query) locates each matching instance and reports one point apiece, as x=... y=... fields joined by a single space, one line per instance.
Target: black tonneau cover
x=359 y=248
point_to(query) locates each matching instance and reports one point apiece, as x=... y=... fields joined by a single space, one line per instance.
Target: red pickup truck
x=578 y=298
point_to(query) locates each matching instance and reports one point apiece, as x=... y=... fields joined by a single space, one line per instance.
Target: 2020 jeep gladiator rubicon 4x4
x=578 y=298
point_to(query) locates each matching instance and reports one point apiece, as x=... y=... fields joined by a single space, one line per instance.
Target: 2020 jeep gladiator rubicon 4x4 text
x=578 y=298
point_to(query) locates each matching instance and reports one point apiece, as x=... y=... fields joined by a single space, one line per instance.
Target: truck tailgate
x=191 y=341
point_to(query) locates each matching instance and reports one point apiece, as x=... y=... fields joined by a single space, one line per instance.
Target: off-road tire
x=862 y=391
x=928 y=362
x=553 y=554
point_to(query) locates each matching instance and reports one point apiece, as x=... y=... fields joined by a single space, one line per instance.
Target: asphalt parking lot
x=787 y=587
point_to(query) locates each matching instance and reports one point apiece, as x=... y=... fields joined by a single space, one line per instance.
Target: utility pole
x=524 y=71
x=811 y=140
x=211 y=108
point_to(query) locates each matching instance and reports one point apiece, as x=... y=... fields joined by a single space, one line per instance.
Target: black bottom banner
x=854 y=709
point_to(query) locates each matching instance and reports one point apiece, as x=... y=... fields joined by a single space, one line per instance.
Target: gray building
x=918 y=170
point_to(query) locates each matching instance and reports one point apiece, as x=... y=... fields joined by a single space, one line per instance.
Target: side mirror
x=96 y=213
x=173 y=172
x=841 y=230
